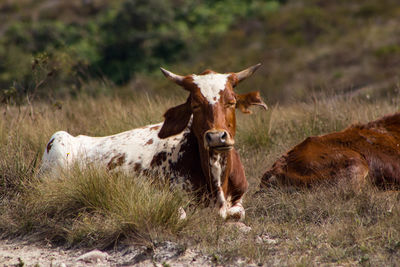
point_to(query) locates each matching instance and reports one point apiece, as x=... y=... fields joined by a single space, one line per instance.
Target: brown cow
x=362 y=150
x=193 y=146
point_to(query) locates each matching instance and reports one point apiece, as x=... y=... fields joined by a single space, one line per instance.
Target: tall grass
x=329 y=224
x=93 y=207
x=323 y=225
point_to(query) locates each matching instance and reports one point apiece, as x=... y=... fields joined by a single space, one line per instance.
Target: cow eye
x=195 y=107
x=231 y=103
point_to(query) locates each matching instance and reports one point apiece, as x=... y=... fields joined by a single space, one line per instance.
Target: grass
x=326 y=225
x=330 y=224
x=94 y=207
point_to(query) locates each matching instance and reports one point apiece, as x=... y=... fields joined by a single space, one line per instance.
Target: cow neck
x=217 y=167
x=215 y=170
x=214 y=166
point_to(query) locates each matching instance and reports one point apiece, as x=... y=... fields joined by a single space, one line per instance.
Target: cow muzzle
x=218 y=140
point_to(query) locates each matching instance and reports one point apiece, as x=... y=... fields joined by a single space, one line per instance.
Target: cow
x=193 y=147
x=363 y=150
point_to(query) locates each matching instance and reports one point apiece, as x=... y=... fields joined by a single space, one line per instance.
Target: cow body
x=135 y=151
x=362 y=150
x=193 y=147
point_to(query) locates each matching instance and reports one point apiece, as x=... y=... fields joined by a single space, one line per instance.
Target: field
x=325 y=225
x=92 y=67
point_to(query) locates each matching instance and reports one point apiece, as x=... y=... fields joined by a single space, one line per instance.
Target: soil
x=18 y=252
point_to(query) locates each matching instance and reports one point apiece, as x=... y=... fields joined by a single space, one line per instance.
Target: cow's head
x=212 y=102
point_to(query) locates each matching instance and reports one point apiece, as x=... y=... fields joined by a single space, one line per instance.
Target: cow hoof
x=223 y=212
x=236 y=213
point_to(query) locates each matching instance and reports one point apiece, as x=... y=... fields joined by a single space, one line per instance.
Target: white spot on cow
x=217 y=167
x=222 y=203
x=211 y=85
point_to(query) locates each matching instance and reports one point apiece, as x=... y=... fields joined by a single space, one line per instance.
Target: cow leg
x=217 y=170
x=236 y=212
x=237 y=186
x=357 y=173
x=230 y=210
x=236 y=190
x=222 y=204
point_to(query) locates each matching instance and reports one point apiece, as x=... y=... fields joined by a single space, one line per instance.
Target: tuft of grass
x=93 y=207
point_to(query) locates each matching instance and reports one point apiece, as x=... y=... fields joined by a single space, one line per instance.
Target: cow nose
x=217 y=139
x=223 y=136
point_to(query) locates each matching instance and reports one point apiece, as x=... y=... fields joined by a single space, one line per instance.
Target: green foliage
x=120 y=40
x=388 y=50
x=302 y=26
x=31 y=84
x=142 y=35
x=304 y=45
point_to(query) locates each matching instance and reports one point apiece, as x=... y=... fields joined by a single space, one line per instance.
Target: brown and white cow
x=193 y=146
x=362 y=150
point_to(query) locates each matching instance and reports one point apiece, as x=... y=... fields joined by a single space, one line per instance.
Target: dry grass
x=325 y=225
x=96 y=208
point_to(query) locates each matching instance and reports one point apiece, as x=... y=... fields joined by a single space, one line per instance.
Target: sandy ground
x=24 y=253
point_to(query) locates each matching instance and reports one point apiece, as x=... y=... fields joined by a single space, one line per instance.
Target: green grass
x=328 y=224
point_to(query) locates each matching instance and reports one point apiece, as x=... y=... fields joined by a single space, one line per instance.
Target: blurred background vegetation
x=53 y=49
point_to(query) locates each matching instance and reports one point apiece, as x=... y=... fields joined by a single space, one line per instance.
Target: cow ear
x=243 y=102
x=176 y=119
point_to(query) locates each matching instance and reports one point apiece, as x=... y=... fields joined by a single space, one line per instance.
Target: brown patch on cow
x=106 y=156
x=49 y=145
x=207 y=71
x=137 y=167
x=154 y=128
x=116 y=161
x=149 y=142
x=158 y=159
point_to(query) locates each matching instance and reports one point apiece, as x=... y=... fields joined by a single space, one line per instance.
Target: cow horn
x=178 y=79
x=247 y=72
